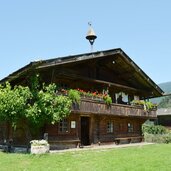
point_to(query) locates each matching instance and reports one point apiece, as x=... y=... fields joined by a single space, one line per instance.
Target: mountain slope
x=166 y=87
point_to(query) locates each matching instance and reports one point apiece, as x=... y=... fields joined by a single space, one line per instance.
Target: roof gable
x=115 y=62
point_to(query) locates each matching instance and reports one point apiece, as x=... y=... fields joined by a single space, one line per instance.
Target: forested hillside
x=164 y=102
x=166 y=87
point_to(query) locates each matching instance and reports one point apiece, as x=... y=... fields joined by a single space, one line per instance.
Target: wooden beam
x=73 y=76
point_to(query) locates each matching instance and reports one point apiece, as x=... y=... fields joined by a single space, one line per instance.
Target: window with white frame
x=130 y=127
x=109 y=127
x=63 y=126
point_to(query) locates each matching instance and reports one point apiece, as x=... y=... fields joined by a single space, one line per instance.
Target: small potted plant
x=74 y=95
x=138 y=103
x=107 y=99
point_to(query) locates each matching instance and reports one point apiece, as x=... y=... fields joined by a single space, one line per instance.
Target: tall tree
x=13 y=103
x=36 y=106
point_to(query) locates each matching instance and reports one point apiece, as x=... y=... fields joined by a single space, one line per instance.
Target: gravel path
x=101 y=147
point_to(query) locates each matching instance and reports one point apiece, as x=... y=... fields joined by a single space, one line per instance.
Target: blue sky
x=40 y=29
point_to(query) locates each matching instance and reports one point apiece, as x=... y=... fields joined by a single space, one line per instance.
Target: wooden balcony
x=90 y=106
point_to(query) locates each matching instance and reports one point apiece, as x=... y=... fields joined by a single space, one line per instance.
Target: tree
x=35 y=106
x=165 y=102
x=13 y=103
x=47 y=107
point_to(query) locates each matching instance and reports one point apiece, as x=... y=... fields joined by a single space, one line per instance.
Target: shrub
x=74 y=95
x=158 y=138
x=156 y=134
x=154 y=129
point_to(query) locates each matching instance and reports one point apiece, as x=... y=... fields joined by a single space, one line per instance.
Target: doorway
x=85 y=131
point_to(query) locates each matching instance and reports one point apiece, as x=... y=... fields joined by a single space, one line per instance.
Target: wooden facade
x=92 y=121
x=95 y=122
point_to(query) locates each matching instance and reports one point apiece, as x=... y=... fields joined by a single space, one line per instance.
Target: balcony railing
x=90 y=106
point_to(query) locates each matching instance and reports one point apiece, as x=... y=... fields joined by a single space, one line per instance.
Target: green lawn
x=150 y=157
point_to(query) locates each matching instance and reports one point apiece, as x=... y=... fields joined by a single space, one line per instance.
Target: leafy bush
x=154 y=129
x=156 y=133
x=158 y=138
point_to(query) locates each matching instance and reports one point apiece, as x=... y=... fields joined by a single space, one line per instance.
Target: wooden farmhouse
x=93 y=121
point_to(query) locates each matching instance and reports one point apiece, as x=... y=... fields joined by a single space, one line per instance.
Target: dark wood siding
x=98 y=128
x=96 y=107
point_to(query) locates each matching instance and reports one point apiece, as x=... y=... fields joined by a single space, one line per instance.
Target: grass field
x=142 y=158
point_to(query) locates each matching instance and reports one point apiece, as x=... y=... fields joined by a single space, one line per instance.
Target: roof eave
x=20 y=71
x=80 y=57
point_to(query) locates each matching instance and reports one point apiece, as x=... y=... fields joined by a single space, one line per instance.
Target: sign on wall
x=73 y=124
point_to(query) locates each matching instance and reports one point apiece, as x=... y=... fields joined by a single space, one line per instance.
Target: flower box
x=39 y=147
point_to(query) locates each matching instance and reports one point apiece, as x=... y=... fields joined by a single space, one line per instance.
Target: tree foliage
x=47 y=107
x=13 y=102
x=36 y=105
x=165 y=102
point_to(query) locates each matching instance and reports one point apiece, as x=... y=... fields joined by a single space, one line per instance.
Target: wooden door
x=85 y=123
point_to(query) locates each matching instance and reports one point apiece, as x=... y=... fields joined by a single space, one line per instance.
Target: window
x=63 y=126
x=117 y=127
x=109 y=127
x=130 y=98
x=63 y=85
x=130 y=127
x=122 y=127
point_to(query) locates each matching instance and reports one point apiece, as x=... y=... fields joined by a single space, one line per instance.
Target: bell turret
x=91 y=36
